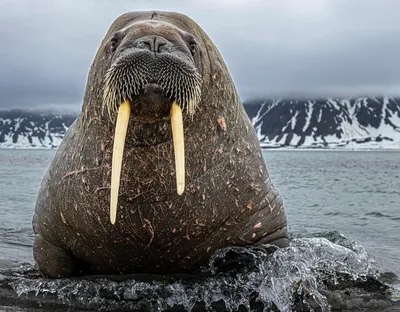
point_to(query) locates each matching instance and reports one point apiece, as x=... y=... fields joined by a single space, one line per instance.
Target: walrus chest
x=147 y=236
x=153 y=221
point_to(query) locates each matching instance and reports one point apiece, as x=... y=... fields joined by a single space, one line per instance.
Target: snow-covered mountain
x=362 y=122
x=33 y=129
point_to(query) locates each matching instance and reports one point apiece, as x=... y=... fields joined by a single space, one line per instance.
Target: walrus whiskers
x=132 y=71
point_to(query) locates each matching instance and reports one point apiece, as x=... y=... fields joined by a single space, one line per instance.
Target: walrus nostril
x=143 y=44
x=155 y=44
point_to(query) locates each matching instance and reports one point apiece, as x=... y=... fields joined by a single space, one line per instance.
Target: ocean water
x=354 y=193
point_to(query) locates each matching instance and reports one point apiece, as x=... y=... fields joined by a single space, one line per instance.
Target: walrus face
x=153 y=65
x=155 y=70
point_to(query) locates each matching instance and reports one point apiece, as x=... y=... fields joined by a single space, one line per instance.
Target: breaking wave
x=318 y=272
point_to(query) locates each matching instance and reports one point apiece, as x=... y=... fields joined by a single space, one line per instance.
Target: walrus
x=161 y=168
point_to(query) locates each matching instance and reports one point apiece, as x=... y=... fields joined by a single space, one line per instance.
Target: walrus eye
x=113 y=44
x=193 y=48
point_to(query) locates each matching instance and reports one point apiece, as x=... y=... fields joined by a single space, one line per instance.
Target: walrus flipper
x=281 y=242
x=53 y=261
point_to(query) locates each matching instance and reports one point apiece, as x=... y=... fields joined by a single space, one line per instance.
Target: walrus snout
x=152 y=62
x=133 y=75
x=155 y=44
x=151 y=104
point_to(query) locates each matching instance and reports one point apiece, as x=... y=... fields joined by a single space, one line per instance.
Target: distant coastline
x=359 y=123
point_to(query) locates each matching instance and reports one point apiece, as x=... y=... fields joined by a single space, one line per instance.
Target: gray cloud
x=309 y=47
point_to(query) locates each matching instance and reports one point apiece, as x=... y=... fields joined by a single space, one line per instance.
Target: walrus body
x=229 y=199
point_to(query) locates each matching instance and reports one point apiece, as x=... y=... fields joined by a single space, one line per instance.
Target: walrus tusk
x=179 y=146
x=124 y=113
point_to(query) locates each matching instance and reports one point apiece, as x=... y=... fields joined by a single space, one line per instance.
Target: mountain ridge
x=353 y=122
x=24 y=128
x=332 y=122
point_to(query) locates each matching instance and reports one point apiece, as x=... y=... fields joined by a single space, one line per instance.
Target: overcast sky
x=272 y=47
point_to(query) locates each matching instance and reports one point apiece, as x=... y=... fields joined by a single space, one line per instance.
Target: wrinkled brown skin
x=229 y=199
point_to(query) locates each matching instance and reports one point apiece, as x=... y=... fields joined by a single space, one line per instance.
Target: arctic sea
x=356 y=193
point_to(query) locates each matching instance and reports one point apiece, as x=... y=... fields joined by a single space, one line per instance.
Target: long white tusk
x=124 y=113
x=179 y=146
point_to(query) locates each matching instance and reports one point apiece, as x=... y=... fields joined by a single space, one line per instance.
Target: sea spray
x=260 y=278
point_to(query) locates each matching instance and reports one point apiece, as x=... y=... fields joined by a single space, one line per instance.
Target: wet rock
x=320 y=273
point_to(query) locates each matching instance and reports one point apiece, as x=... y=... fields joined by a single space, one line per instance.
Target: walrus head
x=153 y=65
x=155 y=72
